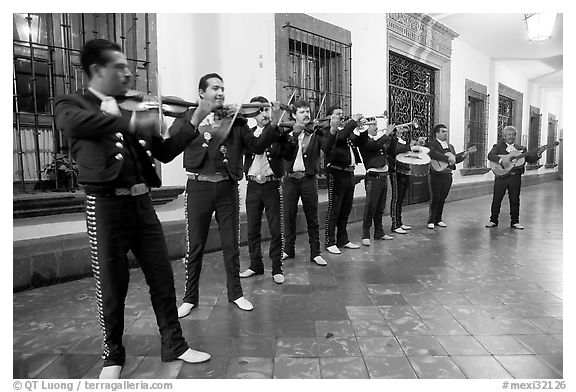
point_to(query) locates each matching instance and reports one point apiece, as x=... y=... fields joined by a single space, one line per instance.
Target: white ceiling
x=504 y=38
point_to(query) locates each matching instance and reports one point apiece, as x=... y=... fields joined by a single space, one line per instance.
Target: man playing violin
x=115 y=152
x=340 y=164
x=511 y=181
x=264 y=173
x=300 y=181
x=441 y=181
x=213 y=163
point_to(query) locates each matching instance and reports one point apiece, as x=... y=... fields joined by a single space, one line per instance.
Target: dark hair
x=204 y=80
x=438 y=127
x=260 y=99
x=96 y=52
x=331 y=109
x=300 y=104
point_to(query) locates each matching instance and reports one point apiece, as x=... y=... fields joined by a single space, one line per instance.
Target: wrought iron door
x=505 y=113
x=411 y=94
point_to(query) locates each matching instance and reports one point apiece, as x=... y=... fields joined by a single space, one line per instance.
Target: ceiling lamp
x=540 y=26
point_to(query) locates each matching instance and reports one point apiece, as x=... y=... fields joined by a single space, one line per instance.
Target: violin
x=136 y=101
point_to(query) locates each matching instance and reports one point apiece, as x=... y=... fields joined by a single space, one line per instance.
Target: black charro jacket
x=274 y=154
x=240 y=139
x=394 y=149
x=320 y=140
x=98 y=141
x=345 y=140
x=374 y=152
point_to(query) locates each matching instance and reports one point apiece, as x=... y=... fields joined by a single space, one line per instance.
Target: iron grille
x=320 y=70
x=505 y=113
x=477 y=129
x=552 y=137
x=411 y=93
x=46 y=63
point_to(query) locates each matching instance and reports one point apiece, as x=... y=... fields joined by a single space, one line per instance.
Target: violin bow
x=320 y=107
x=290 y=100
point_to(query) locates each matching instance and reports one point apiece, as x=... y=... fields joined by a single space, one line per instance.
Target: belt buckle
x=260 y=179
x=138 y=189
x=298 y=175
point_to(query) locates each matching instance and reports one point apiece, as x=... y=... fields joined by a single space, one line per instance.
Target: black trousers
x=292 y=190
x=264 y=197
x=376 y=188
x=340 y=198
x=440 y=184
x=115 y=225
x=399 y=186
x=203 y=198
x=511 y=183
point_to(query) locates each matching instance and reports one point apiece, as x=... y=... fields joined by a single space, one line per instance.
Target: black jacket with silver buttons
x=98 y=141
x=274 y=154
x=373 y=152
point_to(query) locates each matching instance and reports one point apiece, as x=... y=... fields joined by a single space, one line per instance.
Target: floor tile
x=435 y=367
x=461 y=345
x=527 y=366
x=334 y=329
x=215 y=368
x=378 y=346
x=338 y=347
x=297 y=347
x=352 y=367
x=541 y=344
x=70 y=366
x=481 y=366
x=389 y=367
x=502 y=345
x=249 y=367
x=421 y=346
x=300 y=368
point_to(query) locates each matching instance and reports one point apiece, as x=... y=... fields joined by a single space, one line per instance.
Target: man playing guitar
x=443 y=156
x=511 y=181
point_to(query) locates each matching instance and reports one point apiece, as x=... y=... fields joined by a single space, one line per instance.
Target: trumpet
x=414 y=123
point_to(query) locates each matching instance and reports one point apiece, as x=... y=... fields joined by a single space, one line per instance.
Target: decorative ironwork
x=411 y=94
x=46 y=63
x=505 y=113
x=534 y=131
x=477 y=128
x=320 y=66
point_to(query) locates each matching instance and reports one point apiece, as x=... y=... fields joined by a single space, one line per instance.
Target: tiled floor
x=459 y=302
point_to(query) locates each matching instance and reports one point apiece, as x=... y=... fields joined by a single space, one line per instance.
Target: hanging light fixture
x=540 y=25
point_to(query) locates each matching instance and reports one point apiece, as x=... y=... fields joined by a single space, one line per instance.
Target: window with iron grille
x=319 y=69
x=534 y=130
x=411 y=94
x=552 y=137
x=505 y=113
x=46 y=63
x=477 y=128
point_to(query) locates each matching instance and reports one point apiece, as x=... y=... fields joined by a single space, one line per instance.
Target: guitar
x=516 y=158
x=441 y=166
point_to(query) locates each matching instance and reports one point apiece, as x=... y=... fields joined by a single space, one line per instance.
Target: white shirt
x=443 y=144
x=299 y=161
x=510 y=147
x=260 y=165
x=108 y=105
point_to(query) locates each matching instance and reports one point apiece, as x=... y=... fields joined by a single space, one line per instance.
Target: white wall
x=232 y=45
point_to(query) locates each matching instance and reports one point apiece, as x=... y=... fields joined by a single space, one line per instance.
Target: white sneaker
x=278 y=278
x=248 y=273
x=517 y=226
x=185 y=309
x=400 y=231
x=352 y=245
x=285 y=256
x=193 y=356
x=320 y=261
x=492 y=224
x=442 y=224
x=334 y=249
x=430 y=225
x=406 y=227
x=386 y=237
x=366 y=242
x=111 y=372
x=243 y=303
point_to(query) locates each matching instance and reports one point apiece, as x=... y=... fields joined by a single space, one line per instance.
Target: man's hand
x=204 y=108
x=451 y=160
x=390 y=129
x=334 y=123
x=297 y=130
